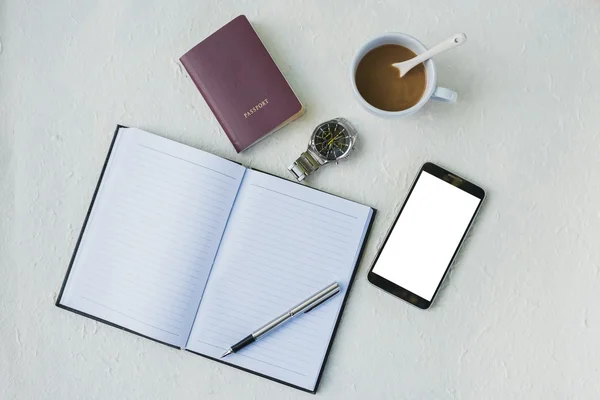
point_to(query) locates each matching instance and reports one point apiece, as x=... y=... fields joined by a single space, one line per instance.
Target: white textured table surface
x=518 y=318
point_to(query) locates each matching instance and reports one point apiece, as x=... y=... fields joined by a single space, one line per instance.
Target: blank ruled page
x=283 y=243
x=152 y=235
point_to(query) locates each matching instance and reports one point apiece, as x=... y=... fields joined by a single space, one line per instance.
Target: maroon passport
x=241 y=83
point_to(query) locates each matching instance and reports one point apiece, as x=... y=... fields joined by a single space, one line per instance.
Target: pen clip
x=324 y=299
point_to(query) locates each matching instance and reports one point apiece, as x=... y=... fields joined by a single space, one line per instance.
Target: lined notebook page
x=152 y=235
x=283 y=243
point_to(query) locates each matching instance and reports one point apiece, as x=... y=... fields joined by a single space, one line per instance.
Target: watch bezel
x=352 y=135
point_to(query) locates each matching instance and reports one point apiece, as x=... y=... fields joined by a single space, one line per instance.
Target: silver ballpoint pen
x=305 y=306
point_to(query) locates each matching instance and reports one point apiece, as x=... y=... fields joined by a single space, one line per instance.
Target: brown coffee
x=380 y=84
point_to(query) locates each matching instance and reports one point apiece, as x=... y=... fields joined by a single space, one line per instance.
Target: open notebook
x=196 y=252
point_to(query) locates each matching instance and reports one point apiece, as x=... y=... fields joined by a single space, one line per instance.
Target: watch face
x=332 y=140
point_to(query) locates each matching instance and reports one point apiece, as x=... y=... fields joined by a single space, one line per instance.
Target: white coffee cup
x=432 y=91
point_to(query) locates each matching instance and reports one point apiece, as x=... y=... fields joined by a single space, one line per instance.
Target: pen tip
x=228 y=352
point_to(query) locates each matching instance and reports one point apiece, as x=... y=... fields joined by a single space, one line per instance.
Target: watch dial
x=332 y=140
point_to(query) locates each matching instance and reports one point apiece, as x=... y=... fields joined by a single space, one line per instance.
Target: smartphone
x=426 y=235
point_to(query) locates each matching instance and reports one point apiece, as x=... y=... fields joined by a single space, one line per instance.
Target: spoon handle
x=450 y=43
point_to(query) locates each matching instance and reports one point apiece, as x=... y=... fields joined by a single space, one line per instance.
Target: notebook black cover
x=58 y=304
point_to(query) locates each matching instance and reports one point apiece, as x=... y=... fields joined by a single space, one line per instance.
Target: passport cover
x=241 y=83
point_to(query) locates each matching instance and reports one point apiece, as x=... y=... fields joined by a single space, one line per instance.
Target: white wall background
x=518 y=318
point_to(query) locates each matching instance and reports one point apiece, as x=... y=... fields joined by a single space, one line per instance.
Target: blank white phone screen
x=426 y=235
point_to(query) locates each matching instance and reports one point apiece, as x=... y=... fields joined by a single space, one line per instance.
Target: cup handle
x=444 y=95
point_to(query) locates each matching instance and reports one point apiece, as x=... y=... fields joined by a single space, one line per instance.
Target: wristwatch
x=331 y=141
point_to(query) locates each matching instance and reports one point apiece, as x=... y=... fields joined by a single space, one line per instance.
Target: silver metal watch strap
x=304 y=166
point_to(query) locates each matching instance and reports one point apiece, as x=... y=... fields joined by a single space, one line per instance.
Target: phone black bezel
x=397 y=290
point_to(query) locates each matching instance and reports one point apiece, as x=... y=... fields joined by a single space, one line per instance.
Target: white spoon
x=447 y=44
